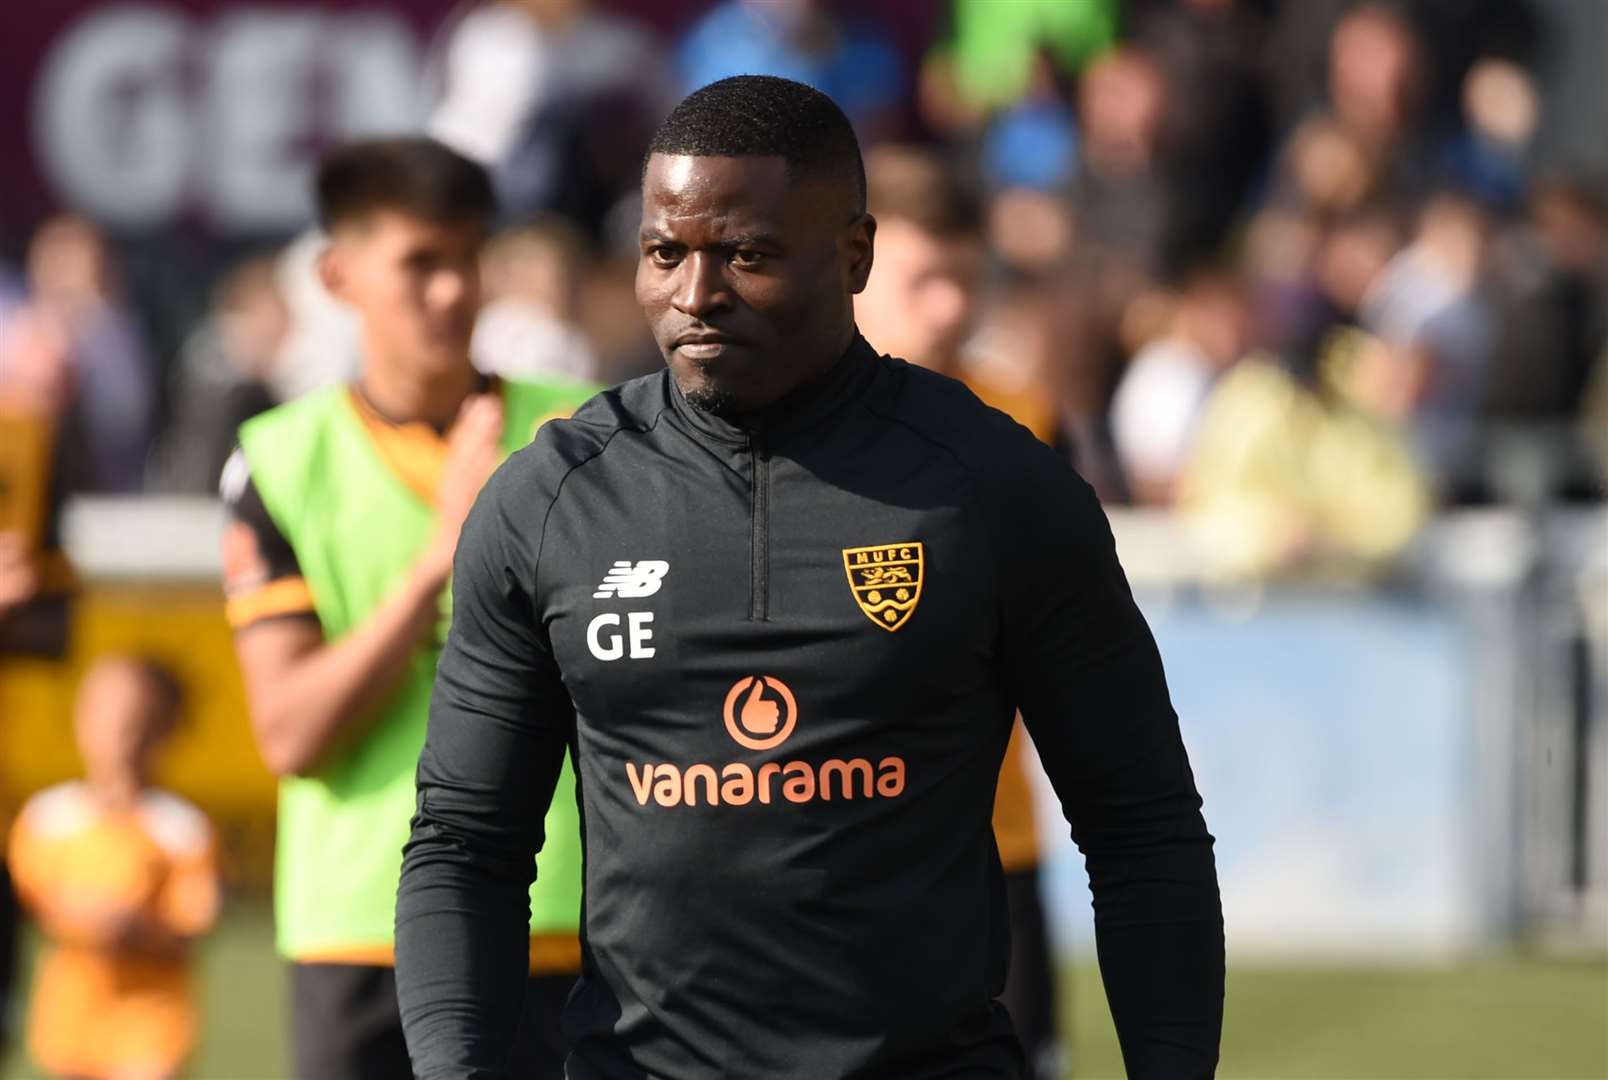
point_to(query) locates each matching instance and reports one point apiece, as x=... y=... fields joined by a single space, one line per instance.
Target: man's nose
x=700 y=287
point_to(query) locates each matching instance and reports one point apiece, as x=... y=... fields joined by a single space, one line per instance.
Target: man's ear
x=332 y=269
x=859 y=245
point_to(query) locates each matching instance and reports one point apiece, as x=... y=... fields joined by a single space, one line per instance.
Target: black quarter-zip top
x=759 y=603
x=786 y=783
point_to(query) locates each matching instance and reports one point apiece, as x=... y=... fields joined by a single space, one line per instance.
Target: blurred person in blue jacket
x=850 y=59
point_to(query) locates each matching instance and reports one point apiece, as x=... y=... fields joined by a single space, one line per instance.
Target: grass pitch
x=1498 y=1019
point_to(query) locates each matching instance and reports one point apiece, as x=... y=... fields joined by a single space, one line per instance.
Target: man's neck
x=402 y=397
x=814 y=375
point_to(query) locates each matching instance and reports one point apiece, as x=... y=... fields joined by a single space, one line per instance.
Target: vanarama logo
x=760 y=714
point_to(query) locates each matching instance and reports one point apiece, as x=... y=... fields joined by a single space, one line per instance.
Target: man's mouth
x=704 y=345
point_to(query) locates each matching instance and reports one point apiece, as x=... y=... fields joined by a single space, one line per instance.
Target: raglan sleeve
x=262 y=580
x=500 y=723
x=1085 y=672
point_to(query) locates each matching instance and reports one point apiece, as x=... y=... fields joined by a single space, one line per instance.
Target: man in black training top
x=781 y=603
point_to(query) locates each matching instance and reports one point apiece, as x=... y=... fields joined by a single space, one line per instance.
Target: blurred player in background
x=345 y=509
x=121 y=877
x=36 y=442
x=921 y=303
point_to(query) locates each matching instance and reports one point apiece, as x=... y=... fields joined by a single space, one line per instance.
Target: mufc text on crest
x=885 y=581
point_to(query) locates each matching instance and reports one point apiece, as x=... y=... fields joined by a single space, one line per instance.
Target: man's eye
x=663 y=256
x=747 y=260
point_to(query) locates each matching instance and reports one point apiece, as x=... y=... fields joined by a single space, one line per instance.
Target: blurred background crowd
x=1216 y=233
x=1321 y=284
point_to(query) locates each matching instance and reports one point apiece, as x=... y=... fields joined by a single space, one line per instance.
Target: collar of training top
x=802 y=410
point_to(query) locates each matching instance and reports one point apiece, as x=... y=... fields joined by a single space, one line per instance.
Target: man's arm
x=500 y=722
x=1086 y=675
x=307 y=695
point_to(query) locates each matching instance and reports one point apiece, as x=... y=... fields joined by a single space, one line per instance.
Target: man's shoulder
x=946 y=413
x=1021 y=483
x=562 y=445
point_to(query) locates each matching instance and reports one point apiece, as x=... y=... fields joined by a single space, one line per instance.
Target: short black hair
x=766 y=116
x=412 y=174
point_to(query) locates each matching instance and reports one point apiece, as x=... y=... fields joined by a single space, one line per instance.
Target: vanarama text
x=738 y=784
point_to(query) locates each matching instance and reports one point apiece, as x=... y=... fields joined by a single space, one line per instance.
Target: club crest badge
x=885 y=581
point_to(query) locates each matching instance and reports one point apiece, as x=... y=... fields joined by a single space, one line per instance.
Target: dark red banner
x=146 y=114
x=206 y=115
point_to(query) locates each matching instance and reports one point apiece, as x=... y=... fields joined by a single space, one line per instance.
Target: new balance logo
x=628 y=580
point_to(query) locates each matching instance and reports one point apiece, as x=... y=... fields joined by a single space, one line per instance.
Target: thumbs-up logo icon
x=760 y=712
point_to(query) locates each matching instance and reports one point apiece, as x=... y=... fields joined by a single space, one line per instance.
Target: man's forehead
x=732 y=192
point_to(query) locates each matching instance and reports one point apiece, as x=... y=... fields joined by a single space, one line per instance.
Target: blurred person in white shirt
x=555 y=97
x=1158 y=403
x=1427 y=309
x=528 y=329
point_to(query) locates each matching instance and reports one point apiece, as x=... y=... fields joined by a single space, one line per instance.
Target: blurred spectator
x=1325 y=171
x=224 y=377
x=1549 y=291
x=1435 y=330
x=1116 y=146
x=922 y=302
x=556 y=98
x=994 y=52
x=1033 y=143
x=1593 y=423
x=611 y=320
x=1453 y=34
x=1306 y=279
x=1284 y=475
x=1375 y=90
x=323 y=342
x=42 y=459
x=37 y=377
x=848 y=57
x=1217 y=131
x=73 y=284
x=1500 y=112
x=1120 y=197
x=1157 y=407
x=122 y=878
x=1031 y=232
x=533 y=278
x=1296 y=59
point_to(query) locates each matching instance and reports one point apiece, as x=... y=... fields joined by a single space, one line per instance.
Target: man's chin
x=703 y=391
x=713 y=400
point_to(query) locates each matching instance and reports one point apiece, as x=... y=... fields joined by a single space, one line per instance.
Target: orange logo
x=760 y=715
x=760 y=722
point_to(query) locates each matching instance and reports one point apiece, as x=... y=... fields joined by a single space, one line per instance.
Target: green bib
x=356 y=528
